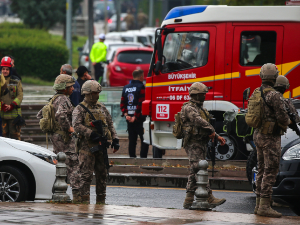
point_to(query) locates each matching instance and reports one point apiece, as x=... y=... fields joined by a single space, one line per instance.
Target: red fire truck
x=224 y=47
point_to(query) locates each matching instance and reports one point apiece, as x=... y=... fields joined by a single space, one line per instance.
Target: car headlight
x=48 y=158
x=292 y=153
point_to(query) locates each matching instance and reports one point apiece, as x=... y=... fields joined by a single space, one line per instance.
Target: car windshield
x=126 y=38
x=185 y=50
x=143 y=40
x=135 y=57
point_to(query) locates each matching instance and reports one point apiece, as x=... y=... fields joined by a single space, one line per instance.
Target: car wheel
x=227 y=151
x=13 y=184
x=251 y=169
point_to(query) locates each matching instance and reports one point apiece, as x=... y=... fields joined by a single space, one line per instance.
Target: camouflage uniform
x=192 y=114
x=91 y=162
x=268 y=145
x=196 y=131
x=61 y=140
x=268 y=142
x=13 y=97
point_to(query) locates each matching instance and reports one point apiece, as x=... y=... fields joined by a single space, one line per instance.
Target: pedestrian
x=129 y=19
x=133 y=95
x=267 y=140
x=61 y=138
x=142 y=19
x=83 y=75
x=75 y=96
x=98 y=56
x=282 y=84
x=85 y=113
x=11 y=102
x=197 y=132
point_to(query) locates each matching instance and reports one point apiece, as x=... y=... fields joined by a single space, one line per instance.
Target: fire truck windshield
x=185 y=50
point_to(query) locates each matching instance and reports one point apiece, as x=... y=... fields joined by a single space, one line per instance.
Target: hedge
x=35 y=53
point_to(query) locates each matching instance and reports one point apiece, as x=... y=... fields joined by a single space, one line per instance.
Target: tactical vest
x=192 y=132
x=97 y=113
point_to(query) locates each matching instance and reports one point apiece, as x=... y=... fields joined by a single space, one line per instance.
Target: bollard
x=201 y=194
x=60 y=186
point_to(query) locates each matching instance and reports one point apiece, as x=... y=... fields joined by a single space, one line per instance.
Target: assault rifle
x=104 y=143
x=212 y=148
x=103 y=139
x=293 y=125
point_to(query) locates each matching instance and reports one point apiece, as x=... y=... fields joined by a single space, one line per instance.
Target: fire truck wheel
x=157 y=152
x=227 y=151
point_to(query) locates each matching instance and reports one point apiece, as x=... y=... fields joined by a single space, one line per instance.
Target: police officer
x=92 y=162
x=97 y=56
x=282 y=84
x=61 y=140
x=267 y=140
x=11 y=102
x=197 y=132
x=133 y=95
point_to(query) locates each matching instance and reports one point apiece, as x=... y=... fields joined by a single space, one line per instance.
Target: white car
x=27 y=171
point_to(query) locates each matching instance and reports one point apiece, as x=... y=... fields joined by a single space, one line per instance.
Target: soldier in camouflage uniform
x=61 y=140
x=282 y=84
x=10 y=101
x=267 y=140
x=92 y=162
x=197 y=132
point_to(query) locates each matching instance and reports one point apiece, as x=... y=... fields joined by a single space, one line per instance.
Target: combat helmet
x=282 y=81
x=90 y=86
x=198 y=88
x=63 y=81
x=269 y=71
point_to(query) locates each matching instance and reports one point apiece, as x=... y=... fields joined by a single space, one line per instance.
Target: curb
x=175 y=181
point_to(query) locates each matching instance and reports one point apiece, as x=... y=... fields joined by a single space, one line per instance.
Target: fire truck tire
x=157 y=152
x=227 y=151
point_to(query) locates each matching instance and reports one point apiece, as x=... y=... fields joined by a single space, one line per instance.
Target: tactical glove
x=115 y=144
x=95 y=137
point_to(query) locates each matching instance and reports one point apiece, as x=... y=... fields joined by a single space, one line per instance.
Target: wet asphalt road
x=236 y=202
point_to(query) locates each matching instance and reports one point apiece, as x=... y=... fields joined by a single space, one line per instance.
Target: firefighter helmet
x=6 y=62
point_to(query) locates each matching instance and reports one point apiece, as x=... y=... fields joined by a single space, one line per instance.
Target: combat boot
x=257 y=204
x=100 y=199
x=214 y=201
x=188 y=199
x=266 y=210
x=76 y=196
x=85 y=199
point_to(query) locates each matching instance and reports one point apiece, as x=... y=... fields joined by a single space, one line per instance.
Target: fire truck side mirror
x=246 y=94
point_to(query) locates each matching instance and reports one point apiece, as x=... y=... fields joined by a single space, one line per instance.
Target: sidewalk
x=47 y=213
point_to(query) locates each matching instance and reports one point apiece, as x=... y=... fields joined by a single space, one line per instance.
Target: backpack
x=48 y=124
x=177 y=128
x=254 y=116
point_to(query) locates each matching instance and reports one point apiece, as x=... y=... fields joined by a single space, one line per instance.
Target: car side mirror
x=80 y=49
x=246 y=93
